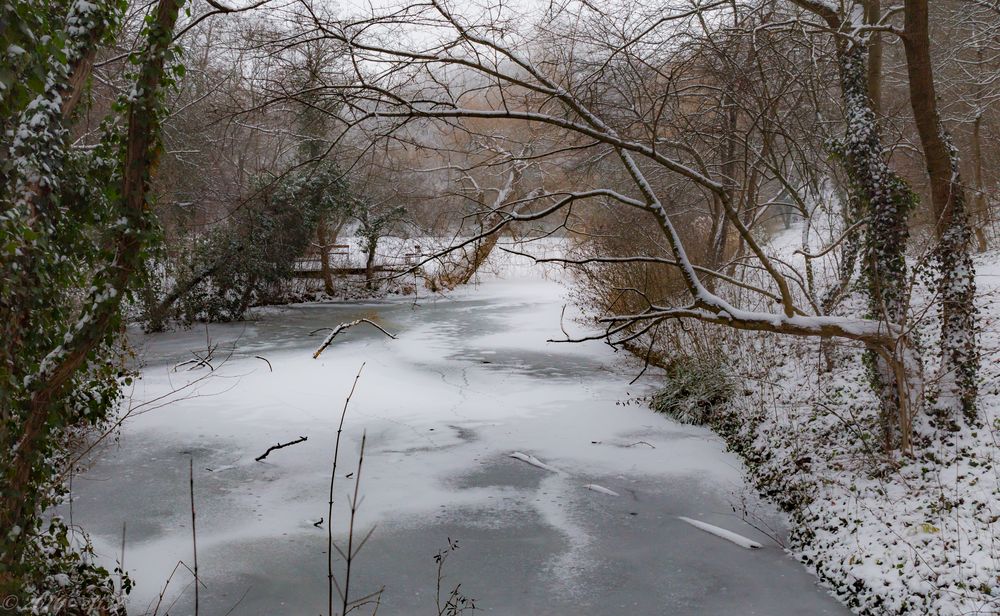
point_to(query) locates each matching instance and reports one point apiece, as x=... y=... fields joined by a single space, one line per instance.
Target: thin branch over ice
x=336 y=330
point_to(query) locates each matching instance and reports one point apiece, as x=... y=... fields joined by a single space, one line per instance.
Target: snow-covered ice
x=470 y=380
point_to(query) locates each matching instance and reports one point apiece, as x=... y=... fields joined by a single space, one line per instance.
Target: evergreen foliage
x=74 y=228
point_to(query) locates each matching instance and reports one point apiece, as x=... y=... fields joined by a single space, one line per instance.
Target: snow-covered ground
x=594 y=526
x=918 y=537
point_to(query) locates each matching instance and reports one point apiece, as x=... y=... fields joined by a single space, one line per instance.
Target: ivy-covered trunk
x=884 y=201
x=83 y=220
x=888 y=200
x=952 y=257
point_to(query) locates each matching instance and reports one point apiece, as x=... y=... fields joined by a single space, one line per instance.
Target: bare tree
x=540 y=93
x=653 y=101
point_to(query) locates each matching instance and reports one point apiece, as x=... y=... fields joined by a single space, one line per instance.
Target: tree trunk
x=885 y=200
x=22 y=493
x=956 y=272
x=981 y=208
x=873 y=13
x=370 y=267
x=464 y=271
x=324 y=255
x=157 y=314
x=720 y=235
x=246 y=298
x=479 y=255
x=981 y=212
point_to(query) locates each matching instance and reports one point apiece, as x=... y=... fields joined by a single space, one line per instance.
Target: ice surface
x=470 y=380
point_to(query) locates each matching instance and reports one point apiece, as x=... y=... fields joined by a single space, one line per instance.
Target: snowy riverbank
x=919 y=539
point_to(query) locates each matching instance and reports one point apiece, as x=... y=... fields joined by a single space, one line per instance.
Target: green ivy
x=62 y=223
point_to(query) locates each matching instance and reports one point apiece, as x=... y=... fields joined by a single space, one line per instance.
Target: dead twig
x=456 y=603
x=301 y=439
x=351 y=551
x=200 y=361
x=329 y=514
x=195 y=364
x=238 y=601
x=194 y=534
x=263 y=359
x=163 y=591
x=121 y=561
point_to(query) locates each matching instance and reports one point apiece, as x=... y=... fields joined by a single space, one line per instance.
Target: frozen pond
x=469 y=381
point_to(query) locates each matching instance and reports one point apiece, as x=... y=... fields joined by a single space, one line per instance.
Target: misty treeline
x=168 y=161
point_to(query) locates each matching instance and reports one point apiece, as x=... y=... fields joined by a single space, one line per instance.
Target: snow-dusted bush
x=249 y=258
x=696 y=386
x=68 y=580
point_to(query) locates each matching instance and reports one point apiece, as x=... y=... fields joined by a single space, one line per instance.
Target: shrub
x=697 y=386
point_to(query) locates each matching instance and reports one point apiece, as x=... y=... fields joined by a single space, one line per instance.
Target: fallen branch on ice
x=596 y=488
x=198 y=362
x=739 y=540
x=301 y=439
x=532 y=460
x=336 y=330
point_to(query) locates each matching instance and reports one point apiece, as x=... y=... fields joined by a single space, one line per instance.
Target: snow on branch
x=739 y=540
x=648 y=259
x=336 y=330
x=533 y=461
